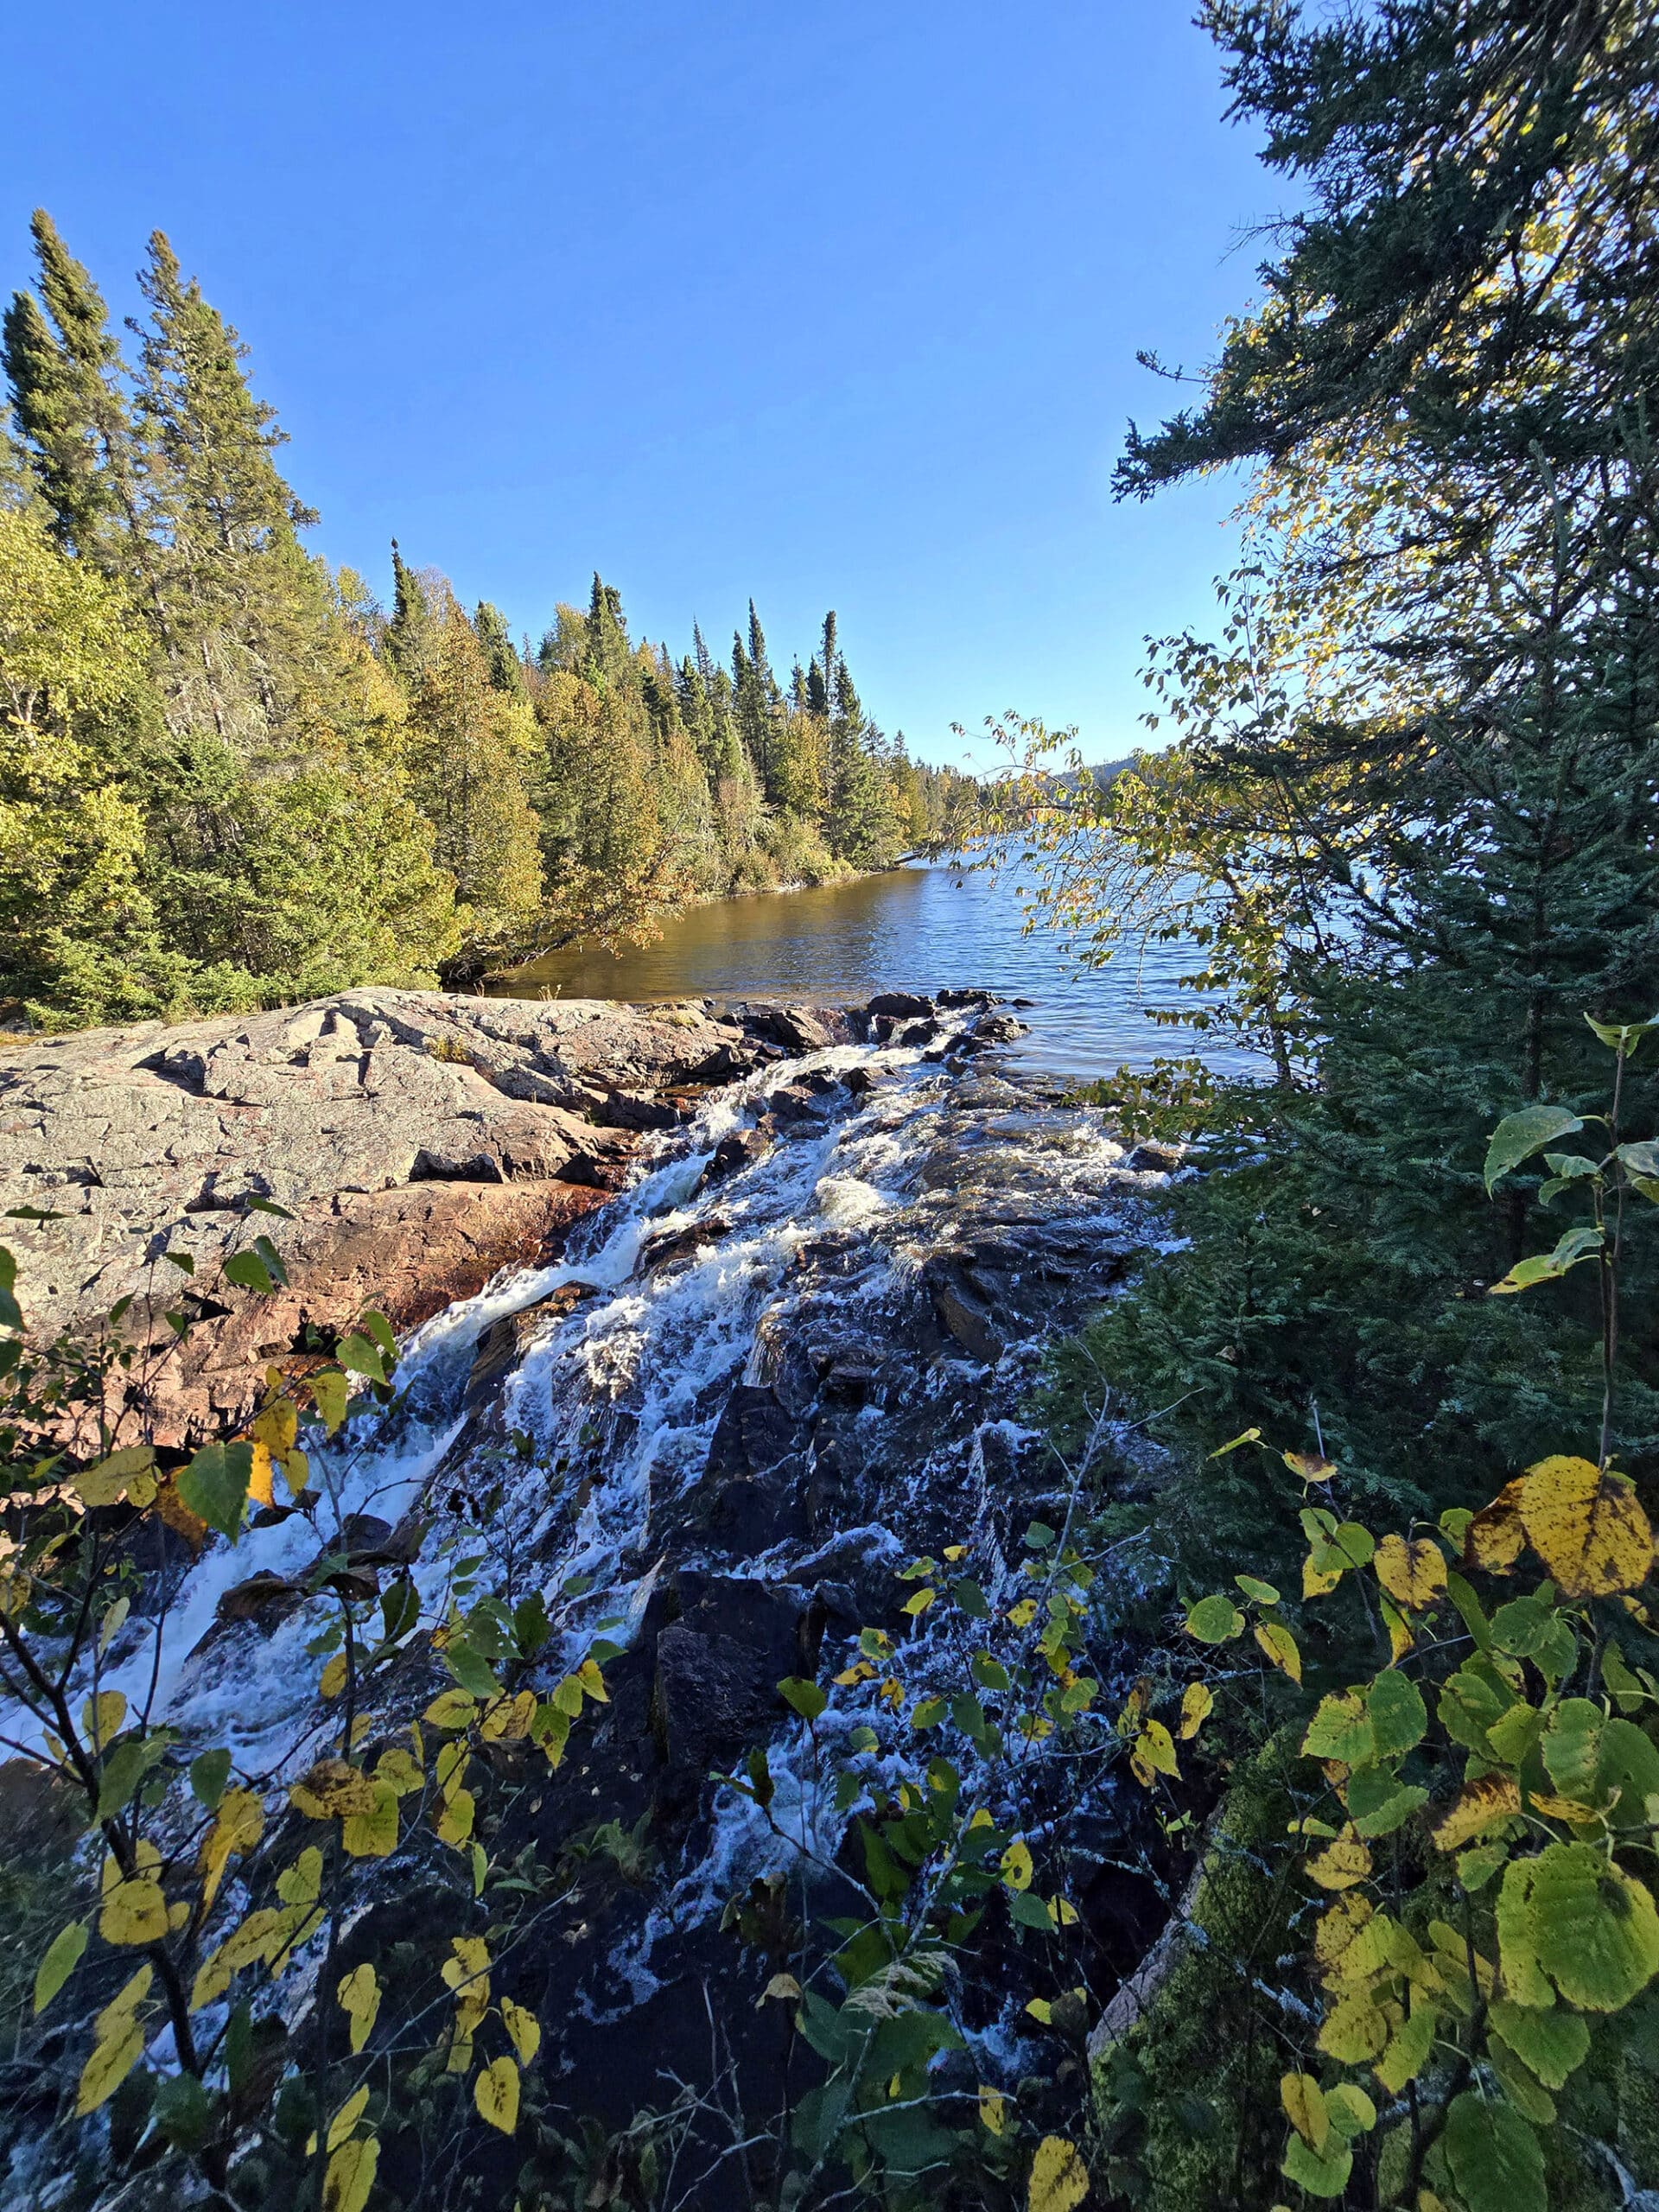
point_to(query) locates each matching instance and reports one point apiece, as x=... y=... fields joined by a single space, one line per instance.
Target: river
x=916 y=928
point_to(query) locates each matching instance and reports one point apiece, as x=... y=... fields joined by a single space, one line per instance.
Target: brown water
x=916 y=928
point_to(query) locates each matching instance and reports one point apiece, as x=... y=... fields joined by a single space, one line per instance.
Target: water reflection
x=919 y=928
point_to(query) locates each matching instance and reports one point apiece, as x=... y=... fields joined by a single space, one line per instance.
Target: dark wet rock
x=899 y=1002
x=793 y=1102
x=862 y=1083
x=756 y=1434
x=668 y=1245
x=1150 y=1154
x=718 y=1668
x=799 y=1029
x=738 y=1149
x=998 y=1029
x=632 y=1110
x=268 y=1598
x=951 y=1000
x=964 y=1314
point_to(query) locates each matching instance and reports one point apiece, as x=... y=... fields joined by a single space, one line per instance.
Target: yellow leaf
x=1023 y=1614
x=117 y=2041
x=237 y=1826
x=372 y=1834
x=1157 y=1747
x=992 y=2109
x=134 y=1912
x=358 y=1997
x=451 y=1709
x=1304 y=2103
x=101 y=1717
x=300 y=1883
x=525 y=2029
x=1280 y=1645
x=126 y=1474
x=401 y=1768
x=332 y=1680
x=1310 y=1466
x=1335 y=1929
x=592 y=1681
x=332 y=1790
x=1341 y=1864
x=1354 y=2030
x=495 y=2094
x=347 y=2117
x=1016 y=1866
x=1318 y=1581
x=1490 y=1798
x=1495 y=1538
x=1563 y=1808
x=350 y=2176
x=1401 y=1639
x=254 y=1942
x=1587 y=1526
x=508 y=1719
x=1198 y=1702
x=260 y=1474
x=454 y=1823
x=275 y=1425
x=1414 y=1574
x=1059 y=2180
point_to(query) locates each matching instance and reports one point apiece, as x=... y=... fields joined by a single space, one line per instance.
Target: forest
x=1209 y=1761
x=230 y=778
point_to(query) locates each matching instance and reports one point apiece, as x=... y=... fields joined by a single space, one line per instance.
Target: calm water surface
x=916 y=928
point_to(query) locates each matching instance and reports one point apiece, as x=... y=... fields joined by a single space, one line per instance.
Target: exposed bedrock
x=422 y=1141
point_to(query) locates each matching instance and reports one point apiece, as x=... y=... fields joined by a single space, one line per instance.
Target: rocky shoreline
x=417 y=1143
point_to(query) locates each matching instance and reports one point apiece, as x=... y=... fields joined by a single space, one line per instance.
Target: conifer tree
x=501 y=657
x=66 y=395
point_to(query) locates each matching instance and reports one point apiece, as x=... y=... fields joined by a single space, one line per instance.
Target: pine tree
x=506 y=670
x=65 y=379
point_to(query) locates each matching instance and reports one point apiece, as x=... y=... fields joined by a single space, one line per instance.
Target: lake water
x=916 y=928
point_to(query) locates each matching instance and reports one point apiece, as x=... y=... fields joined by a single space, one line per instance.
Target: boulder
x=901 y=1003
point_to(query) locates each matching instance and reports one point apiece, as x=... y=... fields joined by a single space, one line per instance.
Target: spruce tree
x=501 y=657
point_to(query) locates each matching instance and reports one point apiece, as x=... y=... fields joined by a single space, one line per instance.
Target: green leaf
x=62 y=1957
x=1551 y=2045
x=269 y=1205
x=1493 y=2157
x=470 y=1670
x=1594 y=1928
x=183 y=2111
x=1620 y=1036
x=1341 y=1729
x=1321 y=2173
x=208 y=1775
x=1263 y=1593
x=1517 y=1136
x=248 y=1272
x=1214 y=1620
x=357 y=1353
x=1028 y=1909
x=970 y=1599
x=802 y=1696
x=1398 y=1716
x=378 y=1327
x=215 y=1485
x=123 y=1772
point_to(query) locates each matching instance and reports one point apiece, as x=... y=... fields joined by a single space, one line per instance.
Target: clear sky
x=836 y=305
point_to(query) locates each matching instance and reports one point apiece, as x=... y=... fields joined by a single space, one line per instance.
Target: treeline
x=229 y=777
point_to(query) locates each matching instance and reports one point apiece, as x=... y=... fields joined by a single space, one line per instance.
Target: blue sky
x=836 y=305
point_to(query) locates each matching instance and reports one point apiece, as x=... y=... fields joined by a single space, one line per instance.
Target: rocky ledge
x=416 y=1142
x=398 y=1148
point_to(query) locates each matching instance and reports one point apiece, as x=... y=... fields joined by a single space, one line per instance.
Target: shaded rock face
x=423 y=1142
